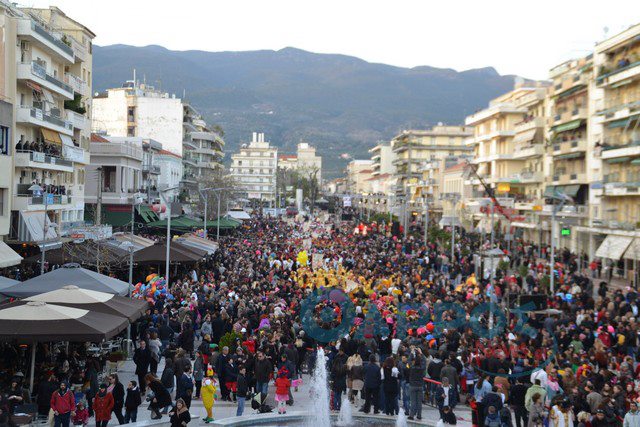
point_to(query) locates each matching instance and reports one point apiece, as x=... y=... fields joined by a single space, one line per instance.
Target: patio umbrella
x=37 y=321
x=66 y=275
x=158 y=253
x=101 y=302
x=5 y=282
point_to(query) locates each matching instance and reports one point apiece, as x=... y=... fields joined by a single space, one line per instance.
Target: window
x=2 y=191
x=131 y=131
x=131 y=114
x=4 y=140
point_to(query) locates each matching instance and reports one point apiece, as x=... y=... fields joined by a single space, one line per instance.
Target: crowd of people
x=402 y=324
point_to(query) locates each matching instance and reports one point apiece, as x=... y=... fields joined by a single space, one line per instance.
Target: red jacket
x=282 y=386
x=63 y=404
x=102 y=406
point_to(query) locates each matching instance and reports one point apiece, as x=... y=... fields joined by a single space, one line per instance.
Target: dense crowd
x=416 y=326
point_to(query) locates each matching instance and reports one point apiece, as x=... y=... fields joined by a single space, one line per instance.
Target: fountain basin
x=300 y=418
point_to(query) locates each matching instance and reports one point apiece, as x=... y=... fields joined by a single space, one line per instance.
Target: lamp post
x=203 y=194
x=555 y=208
x=35 y=188
x=135 y=200
x=164 y=195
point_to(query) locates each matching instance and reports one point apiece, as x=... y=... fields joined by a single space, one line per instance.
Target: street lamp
x=36 y=189
x=135 y=200
x=555 y=208
x=203 y=194
x=164 y=196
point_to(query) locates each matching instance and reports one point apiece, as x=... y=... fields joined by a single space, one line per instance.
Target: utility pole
x=426 y=219
x=99 y=202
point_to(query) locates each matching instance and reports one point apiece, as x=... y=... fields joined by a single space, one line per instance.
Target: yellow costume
x=208 y=392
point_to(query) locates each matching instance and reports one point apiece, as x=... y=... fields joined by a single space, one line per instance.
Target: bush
x=230 y=340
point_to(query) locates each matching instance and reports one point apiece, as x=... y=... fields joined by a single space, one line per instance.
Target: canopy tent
x=38 y=321
x=5 y=282
x=179 y=223
x=81 y=253
x=239 y=215
x=158 y=253
x=8 y=256
x=613 y=247
x=120 y=240
x=66 y=275
x=225 y=223
x=101 y=302
x=196 y=242
x=147 y=214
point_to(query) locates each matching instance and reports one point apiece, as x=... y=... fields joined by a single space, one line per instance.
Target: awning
x=117 y=216
x=633 y=252
x=525 y=136
x=242 y=215
x=51 y=136
x=618 y=123
x=139 y=242
x=618 y=160
x=613 y=247
x=574 y=124
x=196 y=242
x=570 y=91
x=30 y=228
x=179 y=223
x=569 y=190
x=66 y=140
x=635 y=162
x=34 y=86
x=569 y=156
x=147 y=214
x=7 y=256
x=549 y=191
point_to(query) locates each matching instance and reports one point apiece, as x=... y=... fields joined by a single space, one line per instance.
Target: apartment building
x=359 y=173
x=202 y=152
x=47 y=78
x=151 y=169
x=431 y=184
x=254 y=169
x=305 y=161
x=140 y=110
x=413 y=149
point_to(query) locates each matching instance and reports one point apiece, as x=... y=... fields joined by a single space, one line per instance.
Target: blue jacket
x=372 y=377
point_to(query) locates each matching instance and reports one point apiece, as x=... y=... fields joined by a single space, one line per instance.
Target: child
x=283 y=384
x=81 y=418
x=448 y=417
x=132 y=402
x=208 y=392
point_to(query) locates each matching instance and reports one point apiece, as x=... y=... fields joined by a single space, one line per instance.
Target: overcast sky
x=515 y=37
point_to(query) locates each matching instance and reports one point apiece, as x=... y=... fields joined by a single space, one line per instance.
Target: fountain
x=401 y=421
x=345 y=418
x=320 y=415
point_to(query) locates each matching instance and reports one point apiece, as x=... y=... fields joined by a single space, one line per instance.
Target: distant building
x=254 y=169
x=309 y=163
x=358 y=173
x=170 y=169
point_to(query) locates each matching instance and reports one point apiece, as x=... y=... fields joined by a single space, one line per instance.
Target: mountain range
x=338 y=103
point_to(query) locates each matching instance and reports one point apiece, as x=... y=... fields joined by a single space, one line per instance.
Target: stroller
x=259 y=403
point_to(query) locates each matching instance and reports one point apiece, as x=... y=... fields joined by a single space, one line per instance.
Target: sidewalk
x=302 y=402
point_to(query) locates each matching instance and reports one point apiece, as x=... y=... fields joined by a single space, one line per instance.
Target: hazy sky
x=515 y=37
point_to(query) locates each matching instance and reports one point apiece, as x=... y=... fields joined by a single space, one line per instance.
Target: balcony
x=116 y=149
x=33 y=159
x=491 y=135
x=189 y=144
x=152 y=169
x=78 y=121
x=38 y=74
x=526 y=177
x=25 y=200
x=568 y=210
x=619 y=74
x=34 y=32
x=497 y=108
x=621 y=188
x=569 y=115
x=526 y=151
x=569 y=178
x=78 y=85
x=622 y=150
x=570 y=146
x=37 y=117
x=80 y=51
x=569 y=83
x=529 y=124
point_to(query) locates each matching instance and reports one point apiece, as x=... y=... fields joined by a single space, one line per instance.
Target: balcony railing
x=606 y=71
x=37 y=113
x=41 y=72
x=47 y=35
x=78 y=85
x=151 y=169
x=38 y=157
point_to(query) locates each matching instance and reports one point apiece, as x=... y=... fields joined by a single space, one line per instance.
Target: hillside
x=339 y=103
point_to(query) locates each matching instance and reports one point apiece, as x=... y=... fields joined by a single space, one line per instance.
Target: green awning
x=549 y=190
x=570 y=91
x=618 y=160
x=116 y=218
x=573 y=124
x=147 y=214
x=178 y=223
x=618 y=123
x=225 y=223
x=635 y=162
x=569 y=156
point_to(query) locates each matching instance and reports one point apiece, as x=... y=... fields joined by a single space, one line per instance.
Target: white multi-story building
x=170 y=169
x=47 y=77
x=308 y=162
x=254 y=169
x=140 y=110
